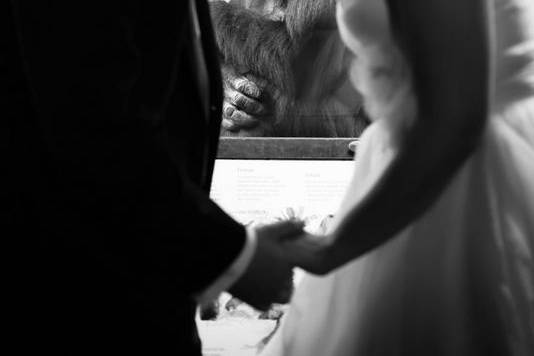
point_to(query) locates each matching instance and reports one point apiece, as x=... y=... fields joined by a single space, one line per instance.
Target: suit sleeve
x=101 y=79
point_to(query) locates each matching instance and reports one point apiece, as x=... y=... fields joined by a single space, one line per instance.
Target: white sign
x=265 y=190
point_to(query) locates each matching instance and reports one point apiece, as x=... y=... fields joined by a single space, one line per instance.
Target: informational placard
x=257 y=191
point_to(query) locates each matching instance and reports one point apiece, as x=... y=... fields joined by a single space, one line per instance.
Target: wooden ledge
x=281 y=148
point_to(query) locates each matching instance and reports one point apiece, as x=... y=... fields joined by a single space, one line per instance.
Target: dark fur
x=262 y=46
x=284 y=53
x=249 y=40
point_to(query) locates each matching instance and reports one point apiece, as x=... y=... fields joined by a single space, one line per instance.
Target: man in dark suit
x=112 y=119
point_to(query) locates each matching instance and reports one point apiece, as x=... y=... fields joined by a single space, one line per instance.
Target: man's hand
x=245 y=108
x=269 y=277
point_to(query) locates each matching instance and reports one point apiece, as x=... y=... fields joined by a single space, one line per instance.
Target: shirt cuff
x=234 y=272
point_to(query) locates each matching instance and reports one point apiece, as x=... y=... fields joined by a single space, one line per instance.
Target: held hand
x=244 y=106
x=269 y=277
x=309 y=252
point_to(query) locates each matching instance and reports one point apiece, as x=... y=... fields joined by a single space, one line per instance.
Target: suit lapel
x=199 y=61
x=209 y=82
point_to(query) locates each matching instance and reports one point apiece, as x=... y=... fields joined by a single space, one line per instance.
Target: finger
x=229 y=74
x=239 y=118
x=277 y=288
x=289 y=226
x=286 y=229
x=298 y=235
x=229 y=125
x=310 y=252
x=282 y=286
x=287 y=290
x=353 y=145
x=284 y=295
x=246 y=86
x=243 y=102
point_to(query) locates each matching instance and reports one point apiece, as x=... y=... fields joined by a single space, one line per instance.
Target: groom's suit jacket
x=112 y=125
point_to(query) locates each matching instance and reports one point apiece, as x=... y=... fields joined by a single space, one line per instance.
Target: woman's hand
x=309 y=252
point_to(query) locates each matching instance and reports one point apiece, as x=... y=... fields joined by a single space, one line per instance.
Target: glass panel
x=285 y=70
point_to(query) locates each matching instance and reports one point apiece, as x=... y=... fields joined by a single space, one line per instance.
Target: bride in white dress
x=432 y=251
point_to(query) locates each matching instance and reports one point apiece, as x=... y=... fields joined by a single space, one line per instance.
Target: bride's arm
x=446 y=43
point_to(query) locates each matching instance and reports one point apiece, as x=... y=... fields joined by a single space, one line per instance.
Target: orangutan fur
x=294 y=55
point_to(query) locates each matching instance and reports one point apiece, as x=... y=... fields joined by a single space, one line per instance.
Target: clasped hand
x=246 y=107
x=280 y=247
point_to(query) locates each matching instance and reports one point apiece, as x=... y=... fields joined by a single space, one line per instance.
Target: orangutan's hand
x=245 y=108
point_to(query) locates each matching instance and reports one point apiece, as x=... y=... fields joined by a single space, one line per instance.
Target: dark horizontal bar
x=285 y=148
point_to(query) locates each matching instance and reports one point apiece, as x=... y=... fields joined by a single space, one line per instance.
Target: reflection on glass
x=285 y=70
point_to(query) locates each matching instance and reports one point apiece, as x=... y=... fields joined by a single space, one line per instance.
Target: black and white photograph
x=269 y=177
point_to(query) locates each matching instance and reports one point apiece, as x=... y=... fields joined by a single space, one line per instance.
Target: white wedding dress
x=459 y=280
